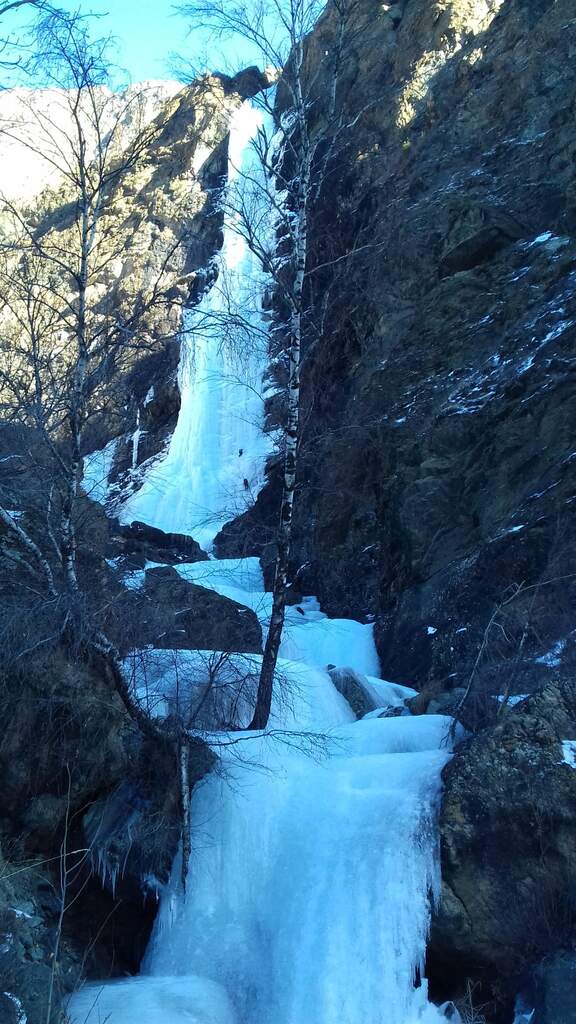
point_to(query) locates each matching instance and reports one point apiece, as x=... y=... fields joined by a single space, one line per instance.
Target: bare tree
x=306 y=128
x=64 y=332
x=12 y=50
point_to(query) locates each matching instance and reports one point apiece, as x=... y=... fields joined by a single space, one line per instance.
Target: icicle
x=136 y=440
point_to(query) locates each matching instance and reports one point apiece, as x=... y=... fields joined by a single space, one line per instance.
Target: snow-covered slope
x=35 y=125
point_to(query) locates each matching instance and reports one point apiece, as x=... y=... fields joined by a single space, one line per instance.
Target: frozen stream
x=310 y=880
x=308 y=896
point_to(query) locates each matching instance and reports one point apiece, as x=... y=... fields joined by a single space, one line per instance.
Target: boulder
x=349 y=684
x=508 y=840
x=435 y=701
x=178 y=614
x=248 y=82
x=141 y=543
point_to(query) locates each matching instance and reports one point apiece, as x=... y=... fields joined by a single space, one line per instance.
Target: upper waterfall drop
x=214 y=465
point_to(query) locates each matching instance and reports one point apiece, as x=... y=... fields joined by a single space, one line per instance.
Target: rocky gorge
x=434 y=501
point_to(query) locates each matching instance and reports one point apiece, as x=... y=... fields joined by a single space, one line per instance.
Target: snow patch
x=171 y=1000
x=569 y=753
x=553 y=657
x=97 y=466
x=21 y=1017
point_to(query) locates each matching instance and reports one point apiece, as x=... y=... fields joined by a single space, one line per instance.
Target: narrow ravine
x=314 y=857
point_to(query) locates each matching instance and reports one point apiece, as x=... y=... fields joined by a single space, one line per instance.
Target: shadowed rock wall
x=438 y=467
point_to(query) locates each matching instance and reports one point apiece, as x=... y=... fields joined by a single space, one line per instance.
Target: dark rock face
x=508 y=841
x=140 y=543
x=437 y=470
x=555 y=996
x=65 y=713
x=172 y=613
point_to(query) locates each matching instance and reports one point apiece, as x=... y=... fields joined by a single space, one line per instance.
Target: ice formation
x=214 y=465
x=314 y=854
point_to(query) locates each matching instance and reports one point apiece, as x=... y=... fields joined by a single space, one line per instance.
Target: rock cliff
x=438 y=465
x=438 y=468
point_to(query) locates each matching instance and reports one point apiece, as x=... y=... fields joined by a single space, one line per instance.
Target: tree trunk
x=31 y=547
x=184 y=766
x=281 y=582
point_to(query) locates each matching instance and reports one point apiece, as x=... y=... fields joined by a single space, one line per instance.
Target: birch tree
x=305 y=131
x=63 y=335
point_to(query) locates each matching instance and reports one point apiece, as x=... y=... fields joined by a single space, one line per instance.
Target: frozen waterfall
x=310 y=880
x=315 y=852
x=214 y=464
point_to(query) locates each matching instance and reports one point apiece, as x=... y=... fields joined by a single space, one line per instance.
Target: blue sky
x=150 y=36
x=147 y=30
x=148 y=33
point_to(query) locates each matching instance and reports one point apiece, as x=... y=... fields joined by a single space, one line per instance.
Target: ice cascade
x=214 y=463
x=311 y=877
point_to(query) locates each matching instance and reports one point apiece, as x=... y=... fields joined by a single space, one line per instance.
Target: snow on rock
x=187 y=999
x=569 y=752
x=167 y=680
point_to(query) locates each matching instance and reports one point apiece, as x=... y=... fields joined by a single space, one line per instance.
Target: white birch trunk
x=31 y=547
x=292 y=428
x=184 y=766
